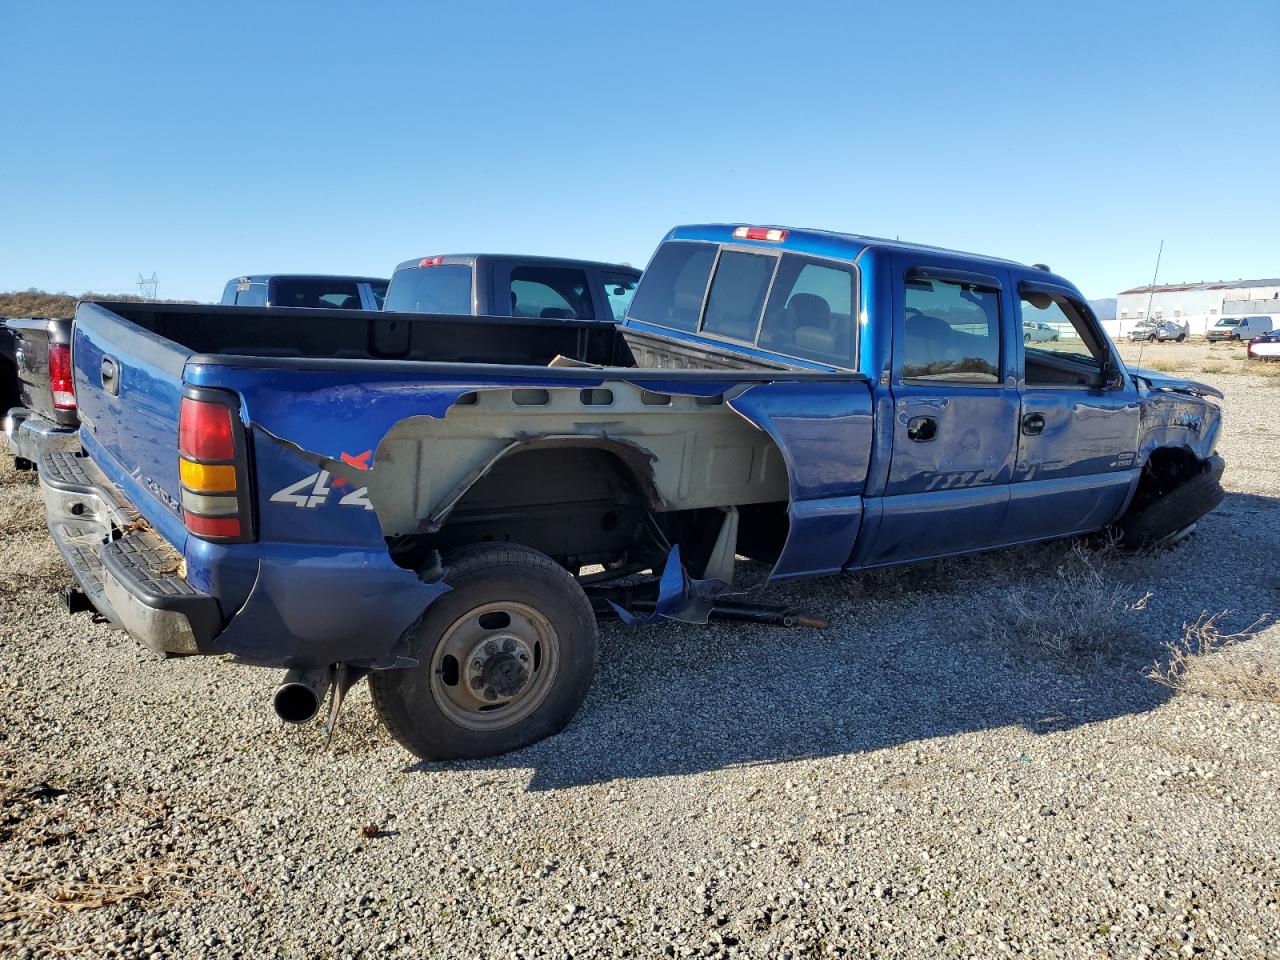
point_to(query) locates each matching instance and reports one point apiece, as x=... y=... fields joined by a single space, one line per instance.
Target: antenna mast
x=1151 y=293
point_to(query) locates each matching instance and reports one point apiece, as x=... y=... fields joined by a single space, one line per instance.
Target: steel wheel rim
x=486 y=649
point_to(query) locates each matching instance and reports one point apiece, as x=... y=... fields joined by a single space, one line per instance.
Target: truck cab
x=984 y=438
x=547 y=288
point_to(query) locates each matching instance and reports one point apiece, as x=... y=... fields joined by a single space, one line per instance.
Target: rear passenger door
x=955 y=413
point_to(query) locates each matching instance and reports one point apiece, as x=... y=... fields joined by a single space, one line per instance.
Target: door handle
x=108 y=372
x=922 y=429
x=1033 y=424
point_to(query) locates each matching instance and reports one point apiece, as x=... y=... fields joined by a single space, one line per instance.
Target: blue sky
x=201 y=141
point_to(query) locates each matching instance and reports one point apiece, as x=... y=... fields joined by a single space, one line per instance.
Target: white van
x=1240 y=328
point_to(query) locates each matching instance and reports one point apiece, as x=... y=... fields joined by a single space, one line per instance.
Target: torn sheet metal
x=825 y=433
x=680 y=596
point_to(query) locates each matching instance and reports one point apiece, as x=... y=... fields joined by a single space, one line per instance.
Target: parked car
x=1037 y=331
x=305 y=290
x=548 y=288
x=1264 y=347
x=817 y=401
x=1162 y=330
x=1240 y=328
x=39 y=398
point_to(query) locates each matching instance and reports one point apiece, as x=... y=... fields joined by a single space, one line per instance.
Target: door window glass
x=810 y=311
x=550 y=293
x=737 y=295
x=315 y=293
x=952 y=332
x=1075 y=355
x=619 y=290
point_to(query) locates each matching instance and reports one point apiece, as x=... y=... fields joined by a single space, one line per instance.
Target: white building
x=1199 y=304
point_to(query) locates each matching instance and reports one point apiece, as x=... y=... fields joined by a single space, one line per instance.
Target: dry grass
x=77 y=821
x=1167 y=366
x=1071 y=608
x=1212 y=366
x=1208 y=661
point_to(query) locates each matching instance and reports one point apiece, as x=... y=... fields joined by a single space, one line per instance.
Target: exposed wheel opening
x=449 y=671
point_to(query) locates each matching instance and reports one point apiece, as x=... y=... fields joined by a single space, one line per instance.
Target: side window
x=952 y=332
x=1061 y=345
x=810 y=311
x=316 y=293
x=619 y=290
x=737 y=295
x=551 y=293
x=671 y=291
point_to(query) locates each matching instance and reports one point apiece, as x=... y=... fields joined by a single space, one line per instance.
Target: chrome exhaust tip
x=298 y=698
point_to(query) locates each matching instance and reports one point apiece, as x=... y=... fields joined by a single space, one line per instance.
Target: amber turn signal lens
x=207 y=477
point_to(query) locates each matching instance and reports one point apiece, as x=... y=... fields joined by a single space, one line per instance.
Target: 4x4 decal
x=313 y=491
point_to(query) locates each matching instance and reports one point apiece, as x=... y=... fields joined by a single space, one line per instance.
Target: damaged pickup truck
x=444 y=504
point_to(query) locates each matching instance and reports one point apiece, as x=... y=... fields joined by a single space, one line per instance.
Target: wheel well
x=1165 y=469
x=579 y=504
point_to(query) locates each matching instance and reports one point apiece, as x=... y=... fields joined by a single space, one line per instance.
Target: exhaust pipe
x=298 y=698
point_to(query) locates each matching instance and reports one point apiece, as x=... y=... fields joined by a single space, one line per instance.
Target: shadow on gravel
x=900 y=664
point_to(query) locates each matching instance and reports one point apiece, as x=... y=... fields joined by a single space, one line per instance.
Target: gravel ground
x=905 y=784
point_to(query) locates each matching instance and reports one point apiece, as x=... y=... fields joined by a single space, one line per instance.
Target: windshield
x=1228 y=323
x=440 y=289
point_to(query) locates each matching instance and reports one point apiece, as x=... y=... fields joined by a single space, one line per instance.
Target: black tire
x=1163 y=519
x=1181 y=337
x=480 y=575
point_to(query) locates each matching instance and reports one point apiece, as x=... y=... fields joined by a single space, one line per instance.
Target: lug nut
x=508 y=646
x=491 y=648
x=490 y=694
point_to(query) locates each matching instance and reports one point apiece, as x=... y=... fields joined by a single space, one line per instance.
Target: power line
x=147 y=286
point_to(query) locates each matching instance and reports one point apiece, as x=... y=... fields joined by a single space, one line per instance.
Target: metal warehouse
x=1198 y=304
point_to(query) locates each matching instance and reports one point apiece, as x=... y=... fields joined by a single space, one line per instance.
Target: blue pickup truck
x=444 y=504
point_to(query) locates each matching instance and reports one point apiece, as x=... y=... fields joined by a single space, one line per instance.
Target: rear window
x=619 y=290
x=379 y=291
x=737 y=295
x=671 y=290
x=331 y=294
x=442 y=289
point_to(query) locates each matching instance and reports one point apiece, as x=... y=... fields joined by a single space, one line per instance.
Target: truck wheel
x=1181 y=337
x=504 y=659
x=1165 y=521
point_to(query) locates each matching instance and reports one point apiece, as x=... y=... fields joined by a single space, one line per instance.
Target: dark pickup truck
x=496 y=285
x=445 y=503
x=305 y=290
x=39 y=398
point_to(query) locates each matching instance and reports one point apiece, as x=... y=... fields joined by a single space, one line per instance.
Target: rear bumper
x=132 y=576
x=31 y=435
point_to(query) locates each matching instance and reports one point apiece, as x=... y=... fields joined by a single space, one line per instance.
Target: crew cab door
x=1078 y=425
x=955 y=412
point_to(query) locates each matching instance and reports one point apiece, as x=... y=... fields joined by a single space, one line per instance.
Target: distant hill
x=1105 y=309
x=40 y=303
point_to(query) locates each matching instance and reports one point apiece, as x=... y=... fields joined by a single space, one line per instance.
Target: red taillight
x=205 y=431
x=212 y=526
x=430 y=261
x=64 y=390
x=760 y=233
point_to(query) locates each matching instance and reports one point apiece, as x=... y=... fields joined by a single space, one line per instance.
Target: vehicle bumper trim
x=130 y=574
x=30 y=435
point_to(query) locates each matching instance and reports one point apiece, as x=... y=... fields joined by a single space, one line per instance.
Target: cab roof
x=469 y=258
x=841 y=246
